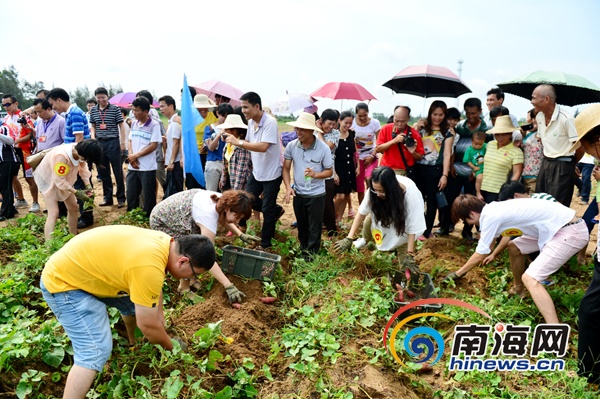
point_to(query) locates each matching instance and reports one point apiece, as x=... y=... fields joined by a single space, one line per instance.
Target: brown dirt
x=250 y=327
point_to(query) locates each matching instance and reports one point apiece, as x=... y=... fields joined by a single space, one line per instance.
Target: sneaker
x=582 y=202
x=361 y=242
x=35 y=207
x=21 y=203
x=547 y=283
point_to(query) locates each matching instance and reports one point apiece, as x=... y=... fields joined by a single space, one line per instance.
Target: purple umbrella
x=125 y=99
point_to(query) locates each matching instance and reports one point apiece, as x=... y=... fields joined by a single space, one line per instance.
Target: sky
x=271 y=47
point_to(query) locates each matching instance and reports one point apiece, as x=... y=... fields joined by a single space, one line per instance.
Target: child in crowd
x=474 y=158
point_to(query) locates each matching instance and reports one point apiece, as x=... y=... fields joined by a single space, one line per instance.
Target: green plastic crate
x=249 y=262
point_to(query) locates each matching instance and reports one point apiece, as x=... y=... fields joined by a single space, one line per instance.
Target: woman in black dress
x=346 y=167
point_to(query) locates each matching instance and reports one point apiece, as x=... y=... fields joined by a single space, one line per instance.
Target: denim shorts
x=85 y=320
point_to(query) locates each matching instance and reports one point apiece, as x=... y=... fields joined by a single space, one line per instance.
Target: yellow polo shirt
x=111 y=261
x=199 y=129
x=497 y=164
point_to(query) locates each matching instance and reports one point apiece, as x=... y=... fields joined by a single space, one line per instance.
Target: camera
x=409 y=141
x=22 y=120
x=527 y=127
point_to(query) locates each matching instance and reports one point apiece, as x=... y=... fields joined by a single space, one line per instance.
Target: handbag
x=441 y=199
x=35 y=159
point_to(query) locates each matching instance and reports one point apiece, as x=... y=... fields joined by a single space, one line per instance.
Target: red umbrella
x=343 y=91
x=213 y=87
x=427 y=81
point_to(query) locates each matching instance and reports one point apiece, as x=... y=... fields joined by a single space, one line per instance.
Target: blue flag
x=190 y=118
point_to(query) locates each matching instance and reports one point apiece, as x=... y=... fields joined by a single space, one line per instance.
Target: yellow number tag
x=377 y=236
x=512 y=233
x=61 y=169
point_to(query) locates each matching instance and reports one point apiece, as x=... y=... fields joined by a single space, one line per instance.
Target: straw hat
x=233 y=121
x=305 y=121
x=503 y=125
x=588 y=119
x=202 y=101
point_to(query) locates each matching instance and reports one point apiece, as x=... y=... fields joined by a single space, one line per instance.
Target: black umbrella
x=427 y=81
x=570 y=89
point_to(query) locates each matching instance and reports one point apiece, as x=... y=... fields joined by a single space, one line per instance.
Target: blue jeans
x=589 y=214
x=586 y=180
x=85 y=320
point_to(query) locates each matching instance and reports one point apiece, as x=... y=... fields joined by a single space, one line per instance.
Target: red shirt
x=391 y=157
x=20 y=130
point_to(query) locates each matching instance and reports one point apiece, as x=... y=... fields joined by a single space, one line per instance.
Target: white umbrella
x=291 y=102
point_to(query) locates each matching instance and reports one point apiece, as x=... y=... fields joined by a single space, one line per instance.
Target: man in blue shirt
x=312 y=164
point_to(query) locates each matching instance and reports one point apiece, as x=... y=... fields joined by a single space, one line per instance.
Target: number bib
x=61 y=169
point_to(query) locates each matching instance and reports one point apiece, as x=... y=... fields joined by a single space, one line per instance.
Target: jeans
x=267 y=205
x=111 y=158
x=329 y=208
x=141 y=182
x=585 y=182
x=309 y=214
x=212 y=174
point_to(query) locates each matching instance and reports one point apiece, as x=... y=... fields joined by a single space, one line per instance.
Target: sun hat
x=202 y=101
x=587 y=120
x=233 y=121
x=305 y=121
x=503 y=125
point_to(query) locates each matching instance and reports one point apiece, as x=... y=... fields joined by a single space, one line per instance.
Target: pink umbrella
x=343 y=91
x=125 y=99
x=214 y=87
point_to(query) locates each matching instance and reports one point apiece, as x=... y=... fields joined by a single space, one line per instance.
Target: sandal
x=351 y=214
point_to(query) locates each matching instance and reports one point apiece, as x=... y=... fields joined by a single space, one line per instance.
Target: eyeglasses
x=196 y=276
x=7 y=105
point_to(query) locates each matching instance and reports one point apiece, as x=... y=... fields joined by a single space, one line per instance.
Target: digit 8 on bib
x=61 y=169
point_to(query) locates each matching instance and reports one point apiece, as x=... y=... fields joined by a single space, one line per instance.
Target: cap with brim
x=233 y=121
x=202 y=101
x=587 y=120
x=503 y=125
x=305 y=121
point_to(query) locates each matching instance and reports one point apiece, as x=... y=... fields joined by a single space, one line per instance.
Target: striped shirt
x=75 y=123
x=543 y=196
x=106 y=121
x=142 y=136
x=498 y=164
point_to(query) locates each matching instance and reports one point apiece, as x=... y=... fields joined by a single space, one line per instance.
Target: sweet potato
x=410 y=294
x=236 y=305
x=400 y=296
x=268 y=299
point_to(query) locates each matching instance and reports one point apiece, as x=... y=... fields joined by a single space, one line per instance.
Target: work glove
x=249 y=239
x=182 y=344
x=342 y=245
x=81 y=195
x=410 y=264
x=451 y=277
x=234 y=294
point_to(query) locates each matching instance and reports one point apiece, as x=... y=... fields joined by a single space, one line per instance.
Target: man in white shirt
x=264 y=143
x=539 y=225
x=173 y=151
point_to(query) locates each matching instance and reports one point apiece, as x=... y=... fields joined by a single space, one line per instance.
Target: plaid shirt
x=241 y=167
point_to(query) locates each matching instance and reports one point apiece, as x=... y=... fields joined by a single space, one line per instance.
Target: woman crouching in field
x=56 y=174
x=393 y=215
x=201 y=212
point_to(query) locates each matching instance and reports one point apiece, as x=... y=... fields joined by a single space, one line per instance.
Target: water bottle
x=308 y=181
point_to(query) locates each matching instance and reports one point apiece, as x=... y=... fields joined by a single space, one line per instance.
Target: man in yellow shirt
x=123 y=267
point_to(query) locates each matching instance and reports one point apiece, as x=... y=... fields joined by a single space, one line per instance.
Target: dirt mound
x=442 y=255
x=250 y=327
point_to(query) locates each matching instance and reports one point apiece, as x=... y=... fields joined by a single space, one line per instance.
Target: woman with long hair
x=56 y=174
x=432 y=170
x=393 y=214
x=199 y=211
x=366 y=129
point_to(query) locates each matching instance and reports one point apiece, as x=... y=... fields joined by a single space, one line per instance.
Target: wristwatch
x=241 y=143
